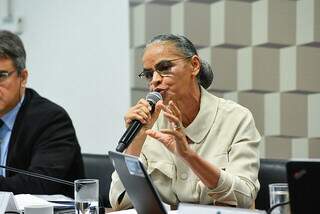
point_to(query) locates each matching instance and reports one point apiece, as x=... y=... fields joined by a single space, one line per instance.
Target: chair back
x=271 y=171
x=99 y=167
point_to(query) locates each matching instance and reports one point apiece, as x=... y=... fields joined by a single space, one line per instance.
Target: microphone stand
x=37 y=175
x=49 y=178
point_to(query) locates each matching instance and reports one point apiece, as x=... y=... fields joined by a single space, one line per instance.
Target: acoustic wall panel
x=231 y=24
x=299 y=69
x=265 y=55
x=254 y=102
x=300 y=148
x=136 y=68
x=192 y=20
x=258 y=69
x=224 y=64
x=274 y=23
x=146 y=22
x=277 y=147
x=314 y=115
x=314 y=148
x=286 y=115
x=308 y=22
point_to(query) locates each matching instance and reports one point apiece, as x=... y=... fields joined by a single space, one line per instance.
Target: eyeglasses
x=163 y=68
x=5 y=75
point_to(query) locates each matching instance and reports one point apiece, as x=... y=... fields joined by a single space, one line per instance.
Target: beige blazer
x=224 y=134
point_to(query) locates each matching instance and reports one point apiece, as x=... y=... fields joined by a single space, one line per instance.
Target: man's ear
x=24 y=77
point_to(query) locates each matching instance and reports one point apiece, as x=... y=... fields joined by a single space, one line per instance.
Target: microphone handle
x=129 y=135
x=36 y=175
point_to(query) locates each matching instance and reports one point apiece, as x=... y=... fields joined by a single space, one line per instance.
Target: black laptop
x=137 y=183
x=304 y=186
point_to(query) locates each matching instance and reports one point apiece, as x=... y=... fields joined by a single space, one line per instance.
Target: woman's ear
x=196 y=64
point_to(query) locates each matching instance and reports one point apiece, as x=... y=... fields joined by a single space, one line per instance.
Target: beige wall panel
x=217 y=23
x=277 y=147
x=275 y=18
x=294 y=114
x=308 y=69
x=149 y=20
x=139 y=25
x=168 y=2
x=231 y=23
x=299 y=69
x=136 y=68
x=265 y=69
x=224 y=65
x=286 y=115
x=231 y=96
x=317 y=21
x=255 y=103
x=314 y=115
x=259 y=22
x=288 y=68
x=308 y=22
x=300 y=148
x=314 y=148
x=192 y=20
x=244 y=70
x=258 y=69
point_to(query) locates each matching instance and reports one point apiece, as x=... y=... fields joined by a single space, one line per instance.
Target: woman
x=197 y=148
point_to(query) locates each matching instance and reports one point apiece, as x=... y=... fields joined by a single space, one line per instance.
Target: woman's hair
x=185 y=46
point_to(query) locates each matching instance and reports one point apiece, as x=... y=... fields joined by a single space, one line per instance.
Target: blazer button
x=184 y=176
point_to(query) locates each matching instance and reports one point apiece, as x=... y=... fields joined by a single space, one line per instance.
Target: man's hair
x=12 y=47
x=186 y=48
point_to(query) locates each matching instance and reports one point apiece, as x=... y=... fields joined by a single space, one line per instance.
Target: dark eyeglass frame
x=5 y=75
x=148 y=73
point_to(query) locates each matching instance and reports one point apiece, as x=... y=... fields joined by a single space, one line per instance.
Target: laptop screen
x=137 y=183
x=304 y=186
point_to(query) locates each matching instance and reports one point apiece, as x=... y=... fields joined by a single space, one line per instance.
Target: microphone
x=136 y=125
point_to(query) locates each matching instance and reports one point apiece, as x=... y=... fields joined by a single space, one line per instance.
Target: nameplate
x=7 y=202
x=186 y=208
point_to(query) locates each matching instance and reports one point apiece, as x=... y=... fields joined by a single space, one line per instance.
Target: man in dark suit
x=36 y=134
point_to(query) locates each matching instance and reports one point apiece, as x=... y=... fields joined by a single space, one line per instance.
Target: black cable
x=277 y=205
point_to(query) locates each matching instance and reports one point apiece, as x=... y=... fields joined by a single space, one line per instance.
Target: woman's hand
x=141 y=112
x=174 y=139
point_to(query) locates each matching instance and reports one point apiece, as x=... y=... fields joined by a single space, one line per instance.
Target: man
x=35 y=134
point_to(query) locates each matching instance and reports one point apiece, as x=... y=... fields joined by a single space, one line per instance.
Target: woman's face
x=180 y=70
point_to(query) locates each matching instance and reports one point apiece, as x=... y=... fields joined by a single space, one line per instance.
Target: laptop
x=137 y=183
x=304 y=185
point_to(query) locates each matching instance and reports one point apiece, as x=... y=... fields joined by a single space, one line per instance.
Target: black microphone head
x=153 y=97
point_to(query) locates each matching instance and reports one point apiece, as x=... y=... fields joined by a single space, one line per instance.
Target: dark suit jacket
x=43 y=140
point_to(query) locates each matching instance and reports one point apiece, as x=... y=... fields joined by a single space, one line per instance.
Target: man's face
x=11 y=87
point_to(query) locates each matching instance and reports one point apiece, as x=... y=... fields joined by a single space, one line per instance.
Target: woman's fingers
x=175 y=110
x=166 y=139
x=139 y=112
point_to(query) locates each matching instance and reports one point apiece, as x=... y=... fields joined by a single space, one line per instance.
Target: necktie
x=1 y=123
